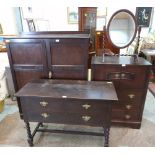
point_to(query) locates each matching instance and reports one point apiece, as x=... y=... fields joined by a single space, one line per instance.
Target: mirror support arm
x=138 y=39
x=136 y=50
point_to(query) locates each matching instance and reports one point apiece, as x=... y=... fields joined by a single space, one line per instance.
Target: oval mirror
x=122 y=28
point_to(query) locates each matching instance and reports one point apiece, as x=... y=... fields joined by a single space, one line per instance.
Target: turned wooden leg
x=29 y=135
x=106 y=136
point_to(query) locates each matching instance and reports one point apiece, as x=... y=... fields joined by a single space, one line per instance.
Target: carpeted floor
x=13 y=133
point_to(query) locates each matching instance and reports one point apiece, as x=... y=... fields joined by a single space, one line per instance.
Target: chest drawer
x=33 y=104
x=130 y=76
x=132 y=96
x=125 y=106
x=69 y=118
x=125 y=115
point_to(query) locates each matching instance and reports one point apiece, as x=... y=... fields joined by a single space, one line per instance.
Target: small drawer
x=133 y=96
x=125 y=106
x=125 y=115
x=120 y=76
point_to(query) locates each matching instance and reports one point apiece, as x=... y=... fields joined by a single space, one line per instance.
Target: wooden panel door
x=28 y=60
x=68 y=58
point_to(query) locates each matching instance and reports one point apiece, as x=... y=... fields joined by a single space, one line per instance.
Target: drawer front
x=125 y=115
x=125 y=106
x=68 y=118
x=133 y=96
x=33 y=104
x=123 y=77
x=131 y=99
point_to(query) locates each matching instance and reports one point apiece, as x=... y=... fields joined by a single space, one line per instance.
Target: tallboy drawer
x=125 y=115
x=131 y=95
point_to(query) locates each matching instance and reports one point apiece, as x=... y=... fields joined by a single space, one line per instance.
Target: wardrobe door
x=68 y=58
x=27 y=60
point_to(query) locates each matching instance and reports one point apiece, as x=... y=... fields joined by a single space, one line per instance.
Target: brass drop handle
x=86 y=118
x=44 y=104
x=116 y=75
x=45 y=115
x=128 y=106
x=127 y=116
x=50 y=75
x=86 y=106
x=122 y=75
x=131 y=96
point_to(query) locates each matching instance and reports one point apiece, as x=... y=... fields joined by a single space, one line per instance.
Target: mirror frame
x=135 y=22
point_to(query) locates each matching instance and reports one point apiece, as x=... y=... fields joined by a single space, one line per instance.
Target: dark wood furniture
x=87 y=22
x=131 y=82
x=61 y=55
x=67 y=102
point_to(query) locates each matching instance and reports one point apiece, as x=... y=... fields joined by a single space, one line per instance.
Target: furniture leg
x=106 y=136
x=30 y=138
x=41 y=124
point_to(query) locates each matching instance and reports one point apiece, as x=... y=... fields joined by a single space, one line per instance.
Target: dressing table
x=130 y=74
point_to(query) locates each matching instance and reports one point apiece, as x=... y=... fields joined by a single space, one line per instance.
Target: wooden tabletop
x=119 y=60
x=71 y=89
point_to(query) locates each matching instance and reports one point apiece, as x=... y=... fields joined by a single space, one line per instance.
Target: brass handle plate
x=45 y=115
x=128 y=106
x=131 y=96
x=86 y=106
x=122 y=75
x=117 y=75
x=44 y=104
x=86 y=118
x=127 y=116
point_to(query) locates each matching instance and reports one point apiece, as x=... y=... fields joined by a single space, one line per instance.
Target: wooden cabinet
x=73 y=102
x=131 y=83
x=48 y=55
x=87 y=22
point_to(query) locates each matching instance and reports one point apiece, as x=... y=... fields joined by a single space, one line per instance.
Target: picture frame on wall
x=72 y=15
x=143 y=16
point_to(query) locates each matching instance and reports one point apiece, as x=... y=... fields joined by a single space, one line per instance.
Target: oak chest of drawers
x=68 y=102
x=131 y=81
